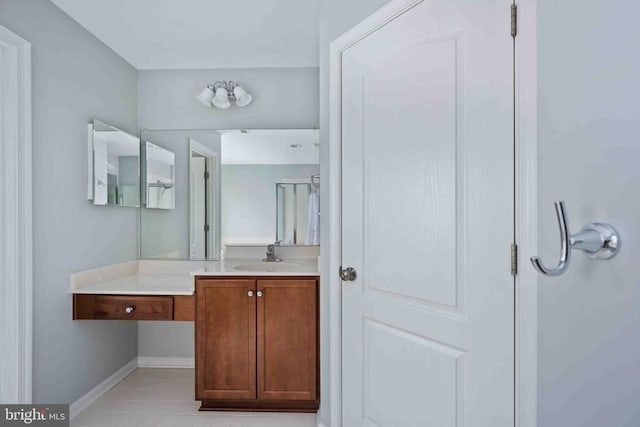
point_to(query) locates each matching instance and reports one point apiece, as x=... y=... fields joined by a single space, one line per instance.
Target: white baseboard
x=95 y=393
x=166 y=362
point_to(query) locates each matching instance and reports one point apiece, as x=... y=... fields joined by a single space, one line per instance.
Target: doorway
x=204 y=187
x=15 y=218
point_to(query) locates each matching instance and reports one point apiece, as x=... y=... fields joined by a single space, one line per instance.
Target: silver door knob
x=348 y=274
x=250 y=293
x=259 y=293
x=129 y=309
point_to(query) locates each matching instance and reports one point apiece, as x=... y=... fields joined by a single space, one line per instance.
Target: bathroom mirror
x=114 y=166
x=262 y=171
x=159 y=177
x=226 y=191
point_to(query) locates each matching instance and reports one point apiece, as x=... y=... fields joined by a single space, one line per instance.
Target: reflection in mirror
x=114 y=158
x=253 y=163
x=203 y=195
x=159 y=167
x=298 y=211
x=225 y=192
x=167 y=233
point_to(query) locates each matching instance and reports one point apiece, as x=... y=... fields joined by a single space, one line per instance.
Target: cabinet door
x=287 y=339
x=225 y=339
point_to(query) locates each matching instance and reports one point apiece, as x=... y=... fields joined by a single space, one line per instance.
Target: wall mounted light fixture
x=222 y=94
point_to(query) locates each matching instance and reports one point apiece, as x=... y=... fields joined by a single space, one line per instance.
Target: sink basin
x=269 y=267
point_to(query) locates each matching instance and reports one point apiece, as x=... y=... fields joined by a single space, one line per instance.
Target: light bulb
x=242 y=97
x=221 y=100
x=205 y=96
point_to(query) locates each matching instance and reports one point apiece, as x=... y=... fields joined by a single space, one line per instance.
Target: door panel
x=427 y=219
x=287 y=339
x=226 y=341
x=428 y=379
x=427 y=189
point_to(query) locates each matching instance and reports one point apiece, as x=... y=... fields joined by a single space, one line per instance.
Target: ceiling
x=269 y=147
x=192 y=34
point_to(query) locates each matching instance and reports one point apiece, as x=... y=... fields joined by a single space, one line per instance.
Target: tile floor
x=164 y=398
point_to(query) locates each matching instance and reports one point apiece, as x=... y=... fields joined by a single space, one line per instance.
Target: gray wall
x=284 y=98
x=588 y=120
x=167 y=230
x=166 y=339
x=75 y=78
x=336 y=17
x=249 y=197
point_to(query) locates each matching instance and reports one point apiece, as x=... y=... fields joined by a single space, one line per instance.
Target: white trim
x=526 y=326
x=526 y=214
x=334 y=240
x=98 y=391
x=166 y=362
x=15 y=213
x=372 y=23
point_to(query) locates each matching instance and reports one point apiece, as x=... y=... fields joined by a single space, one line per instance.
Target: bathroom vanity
x=203 y=195
x=257 y=343
x=256 y=324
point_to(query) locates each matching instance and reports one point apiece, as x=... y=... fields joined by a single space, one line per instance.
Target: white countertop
x=177 y=277
x=234 y=267
x=141 y=284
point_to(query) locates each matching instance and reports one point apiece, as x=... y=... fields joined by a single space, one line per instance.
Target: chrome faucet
x=271 y=254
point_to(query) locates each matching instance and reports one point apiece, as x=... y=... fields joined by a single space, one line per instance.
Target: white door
x=198 y=210
x=427 y=218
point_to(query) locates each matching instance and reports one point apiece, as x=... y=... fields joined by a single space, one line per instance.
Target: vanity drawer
x=133 y=307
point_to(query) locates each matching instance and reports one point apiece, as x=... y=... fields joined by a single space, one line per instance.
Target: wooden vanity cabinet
x=257 y=343
x=225 y=339
x=133 y=307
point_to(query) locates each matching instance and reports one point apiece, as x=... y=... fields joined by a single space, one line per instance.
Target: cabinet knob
x=129 y=309
x=259 y=294
x=250 y=293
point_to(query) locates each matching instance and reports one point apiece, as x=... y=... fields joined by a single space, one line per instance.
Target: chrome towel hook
x=599 y=240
